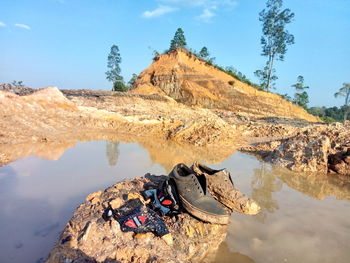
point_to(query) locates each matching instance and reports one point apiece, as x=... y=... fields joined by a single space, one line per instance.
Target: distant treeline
x=331 y=114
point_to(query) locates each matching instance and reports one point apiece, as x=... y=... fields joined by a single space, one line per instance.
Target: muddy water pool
x=303 y=219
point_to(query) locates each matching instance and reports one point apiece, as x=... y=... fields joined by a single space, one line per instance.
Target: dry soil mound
x=191 y=81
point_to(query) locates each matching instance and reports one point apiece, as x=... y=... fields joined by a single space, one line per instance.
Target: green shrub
x=120 y=86
x=327 y=119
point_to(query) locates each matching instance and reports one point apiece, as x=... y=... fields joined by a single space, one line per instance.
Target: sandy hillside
x=191 y=81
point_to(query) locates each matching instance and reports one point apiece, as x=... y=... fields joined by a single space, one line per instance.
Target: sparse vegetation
x=330 y=114
x=275 y=39
x=16 y=83
x=119 y=86
x=301 y=98
x=286 y=97
x=113 y=74
x=327 y=119
x=203 y=53
x=345 y=92
x=132 y=81
x=179 y=40
x=238 y=75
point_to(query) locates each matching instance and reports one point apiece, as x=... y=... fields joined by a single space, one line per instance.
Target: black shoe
x=195 y=197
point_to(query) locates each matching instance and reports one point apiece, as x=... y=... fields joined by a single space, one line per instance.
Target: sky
x=65 y=43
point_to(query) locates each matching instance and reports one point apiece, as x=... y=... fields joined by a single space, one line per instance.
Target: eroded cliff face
x=191 y=81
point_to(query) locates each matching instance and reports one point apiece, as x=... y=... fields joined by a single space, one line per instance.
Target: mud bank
x=64 y=117
x=89 y=238
x=318 y=148
x=68 y=116
x=47 y=115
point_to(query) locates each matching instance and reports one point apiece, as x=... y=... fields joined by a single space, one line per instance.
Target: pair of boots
x=199 y=190
x=197 y=186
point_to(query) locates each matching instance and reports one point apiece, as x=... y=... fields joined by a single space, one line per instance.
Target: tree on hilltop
x=179 y=40
x=113 y=74
x=345 y=92
x=18 y=83
x=301 y=98
x=203 y=53
x=275 y=39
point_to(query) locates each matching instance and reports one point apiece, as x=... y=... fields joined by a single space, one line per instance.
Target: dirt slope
x=48 y=115
x=191 y=81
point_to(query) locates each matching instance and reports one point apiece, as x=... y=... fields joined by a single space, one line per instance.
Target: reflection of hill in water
x=45 y=150
x=225 y=255
x=316 y=186
x=266 y=181
x=264 y=184
x=166 y=153
x=169 y=153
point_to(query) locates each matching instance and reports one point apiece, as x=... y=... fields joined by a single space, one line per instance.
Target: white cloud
x=201 y=3
x=159 y=11
x=23 y=26
x=2 y=24
x=188 y=3
x=206 y=15
x=209 y=7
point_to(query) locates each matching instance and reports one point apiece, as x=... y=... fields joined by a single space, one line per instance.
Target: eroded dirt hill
x=48 y=115
x=190 y=80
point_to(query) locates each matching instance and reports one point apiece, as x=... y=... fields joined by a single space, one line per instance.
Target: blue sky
x=65 y=43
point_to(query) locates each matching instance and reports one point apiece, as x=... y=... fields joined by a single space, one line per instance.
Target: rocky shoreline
x=321 y=149
x=88 y=237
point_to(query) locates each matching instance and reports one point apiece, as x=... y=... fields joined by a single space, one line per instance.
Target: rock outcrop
x=320 y=148
x=190 y=80
x=89 y=238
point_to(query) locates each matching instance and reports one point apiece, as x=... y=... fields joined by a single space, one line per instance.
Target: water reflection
x=164 y=152
x=225 y=255
x=39 y=196
x=264 y=184
x=112 y=152
x=169 y=153
x=268 y=180
x=316 y=186
x=304 y=219
x=48 y=150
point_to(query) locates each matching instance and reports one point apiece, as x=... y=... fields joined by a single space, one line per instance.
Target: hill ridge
x=190 y=80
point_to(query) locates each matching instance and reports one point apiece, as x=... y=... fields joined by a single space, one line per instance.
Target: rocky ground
x=89 y=238
x=317 y=148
